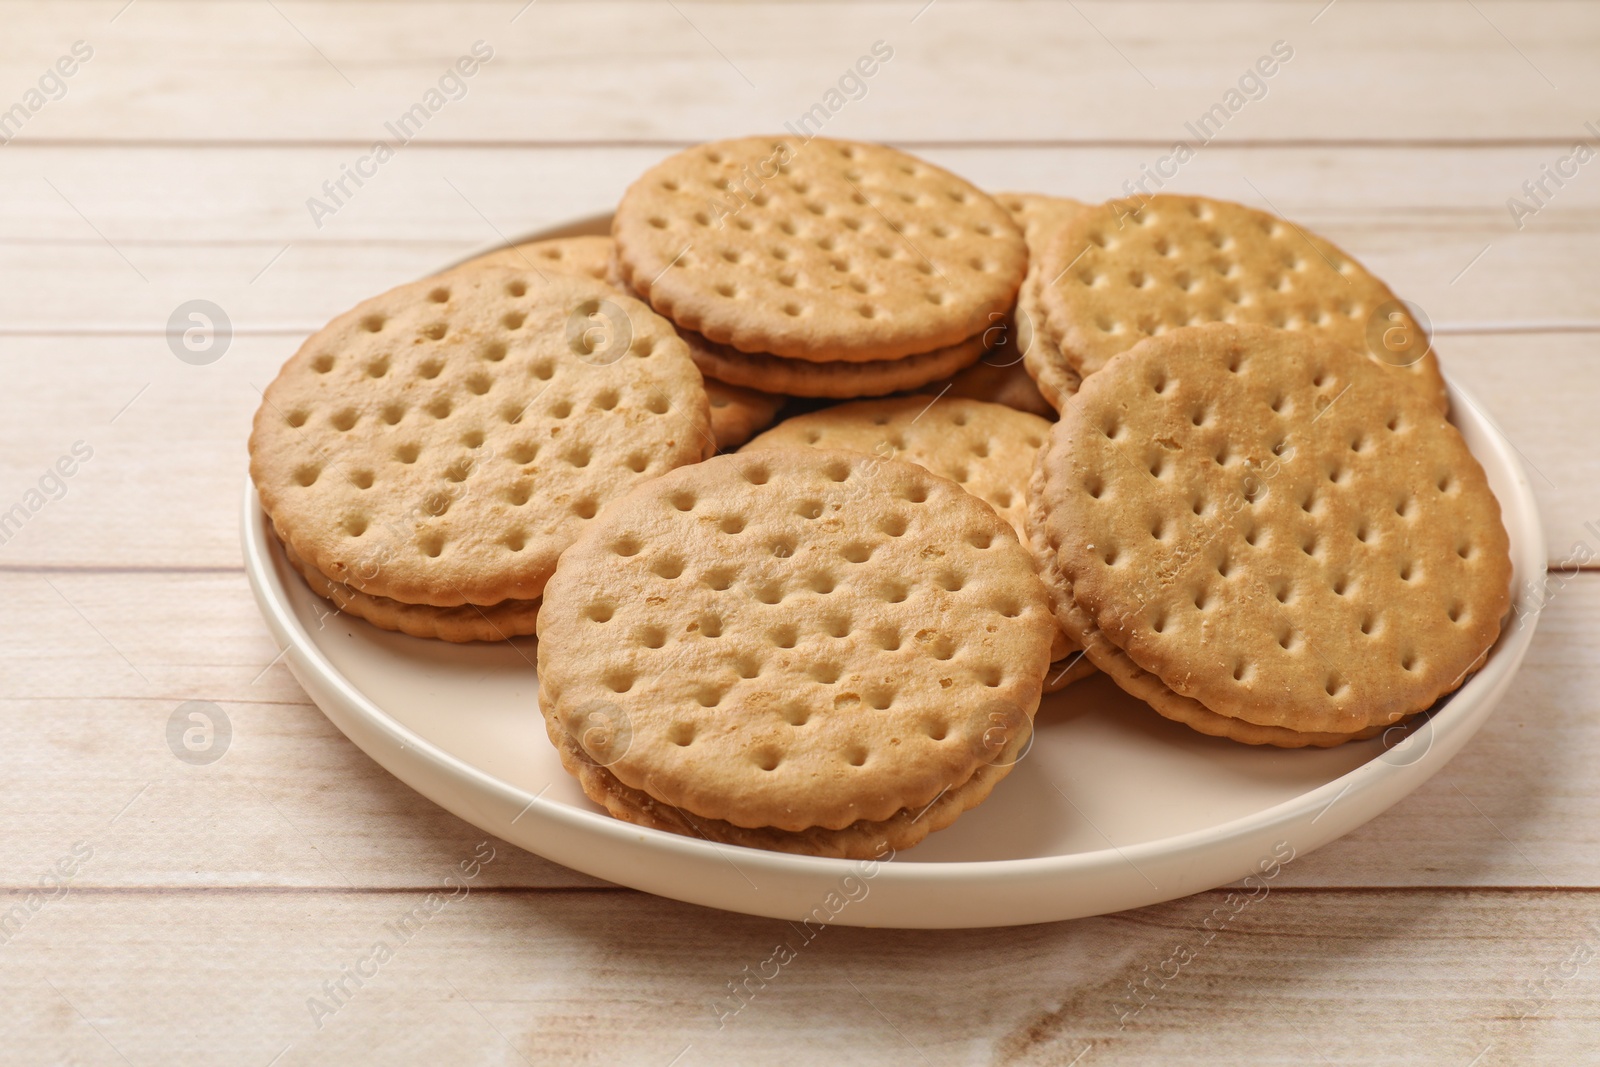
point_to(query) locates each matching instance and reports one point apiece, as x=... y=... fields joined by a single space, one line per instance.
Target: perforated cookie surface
x=588 y=255
x=795 y=638
x=1265 y=523
x=1099 y=653
x=987 y=449
x=1121 y=272
x=442 y=443
x=1040 y=217
x=824 y=250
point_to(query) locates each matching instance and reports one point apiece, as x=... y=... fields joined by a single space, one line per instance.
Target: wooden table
x=212 y=907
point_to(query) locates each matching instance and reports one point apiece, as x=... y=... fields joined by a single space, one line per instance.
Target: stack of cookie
x=819 y=268
x=1267 y=537
x=1253 y=513
x=801 y=649
x=1110 y=276
x=427 y=456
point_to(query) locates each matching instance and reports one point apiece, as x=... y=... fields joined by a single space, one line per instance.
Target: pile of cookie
x=1022 y=437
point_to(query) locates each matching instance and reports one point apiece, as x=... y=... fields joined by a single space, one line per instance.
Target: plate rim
x=1458 y=714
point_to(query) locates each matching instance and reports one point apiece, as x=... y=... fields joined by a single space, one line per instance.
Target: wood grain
x=1343 y=977
x=1458 y=928
x=1101 y=71
x=119 y=249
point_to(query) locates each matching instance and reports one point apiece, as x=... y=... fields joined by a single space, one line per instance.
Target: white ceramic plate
x=1112 y=808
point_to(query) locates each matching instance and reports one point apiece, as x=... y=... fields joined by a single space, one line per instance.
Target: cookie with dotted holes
x=795 y=638
x=987 y=449
x=823 y=250
x=737 y=414
x=1259 y=519
x=443 y=443
x=587 y=255
x=1119 y=273
x=1042 y=219
x=838 y=381
x=1147 y=687
x=469 y=622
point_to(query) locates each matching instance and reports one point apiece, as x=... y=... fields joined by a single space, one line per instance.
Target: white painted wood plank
x=1430 y=977
x=92 y=247
x=607 y=71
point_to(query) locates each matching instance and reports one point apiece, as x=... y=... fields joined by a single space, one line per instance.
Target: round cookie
x=1042 y=219
x=444 y=442
x=1105 y=656
x=737 y=414
x=469 y=622
x=795 y=638
x=589 y=256
x=1124 y=271
x=819 y=250
x=837 y=381
x=987 y=449
x=1262 y=522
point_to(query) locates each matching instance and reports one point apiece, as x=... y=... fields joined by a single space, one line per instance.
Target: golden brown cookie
x=1264 y=523
x=831 y=251
x=469 y=622
x=999 y=378
x=442 y=444
x=587 y=255
x=1072 y=667
x=1130 y=269
x=794 y=638
x=838 y=381
x=1042 y=219
x=1055 y=379
x=1105 y=656
x=737 y=414
x=863 y=839
x=987 y=449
